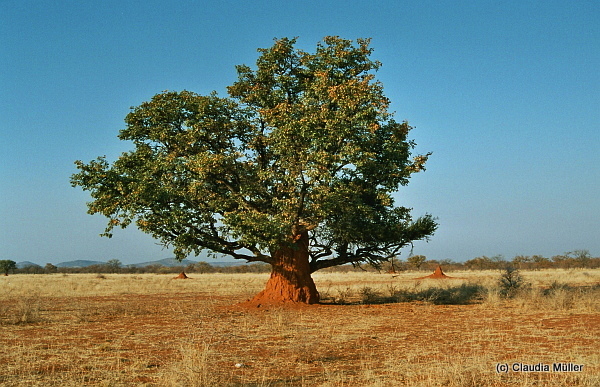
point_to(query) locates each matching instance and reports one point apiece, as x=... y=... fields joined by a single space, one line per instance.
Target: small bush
x=510 y=282
x=556 y=287
x=560 y=296
x=343 y=295
x=24 y=310
x=369 y=296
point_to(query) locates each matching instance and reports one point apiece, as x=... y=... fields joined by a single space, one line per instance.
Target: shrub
x=23 y=310
x=343 y=295
x=369 y=296
x=510 y=282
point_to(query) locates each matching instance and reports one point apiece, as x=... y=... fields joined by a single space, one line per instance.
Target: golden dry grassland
x=371 y=330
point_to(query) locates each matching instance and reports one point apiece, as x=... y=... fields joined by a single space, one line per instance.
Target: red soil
x=262 y=304
x=145 y=336
x=181 y=276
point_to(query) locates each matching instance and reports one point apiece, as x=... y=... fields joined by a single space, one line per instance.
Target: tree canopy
x=7 y=265
x=304 y=145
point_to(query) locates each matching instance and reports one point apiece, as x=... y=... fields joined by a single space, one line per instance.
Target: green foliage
x=303 y=144
x=7 y=265
x=510 y=282
x=416 y=261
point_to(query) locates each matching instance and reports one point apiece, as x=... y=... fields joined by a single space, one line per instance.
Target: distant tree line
x=570 y=260
x=115 y=266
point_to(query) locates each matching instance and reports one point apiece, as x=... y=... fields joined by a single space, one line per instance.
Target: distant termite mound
x=181 y=276
x=437 y=274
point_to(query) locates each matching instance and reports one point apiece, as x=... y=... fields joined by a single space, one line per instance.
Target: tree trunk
x=290 y=279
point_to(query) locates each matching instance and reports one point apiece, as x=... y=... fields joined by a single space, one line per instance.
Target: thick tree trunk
x=290 y=279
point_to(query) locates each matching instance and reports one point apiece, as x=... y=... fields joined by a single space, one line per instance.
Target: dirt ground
x=195 y=335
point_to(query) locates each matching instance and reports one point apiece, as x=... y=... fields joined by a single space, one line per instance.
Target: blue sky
x=506 y=94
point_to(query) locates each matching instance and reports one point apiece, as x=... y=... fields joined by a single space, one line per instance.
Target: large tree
x=7 y=265
x=296 y=168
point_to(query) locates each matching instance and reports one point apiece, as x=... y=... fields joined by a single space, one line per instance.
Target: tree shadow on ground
x=454 y=295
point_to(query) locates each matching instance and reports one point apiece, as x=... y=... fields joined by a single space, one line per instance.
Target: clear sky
x=506 y=94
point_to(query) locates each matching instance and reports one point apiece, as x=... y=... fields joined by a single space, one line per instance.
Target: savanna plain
x=371 y=329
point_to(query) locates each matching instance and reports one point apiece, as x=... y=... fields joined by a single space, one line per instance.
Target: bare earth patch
x=194 y=334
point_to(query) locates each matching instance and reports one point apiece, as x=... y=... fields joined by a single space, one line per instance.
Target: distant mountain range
x=168 y=262
x=79 y=263
x=23 y=264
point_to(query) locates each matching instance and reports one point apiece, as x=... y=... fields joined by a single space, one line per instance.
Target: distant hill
x=21 y=265
x=168 y=262
x=172 y=262
x=79 y=263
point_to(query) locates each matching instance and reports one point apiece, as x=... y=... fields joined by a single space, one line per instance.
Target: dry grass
x=374 y=330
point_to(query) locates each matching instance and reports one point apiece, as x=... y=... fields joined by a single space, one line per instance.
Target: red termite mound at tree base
x=437 y=274
x=286 y=287
x=290 y=281
x=181 y=276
